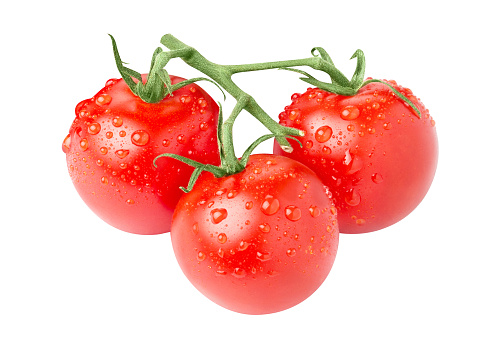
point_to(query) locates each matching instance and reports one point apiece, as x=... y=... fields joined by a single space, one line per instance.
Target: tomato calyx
x=340 y=84
x=158 y=84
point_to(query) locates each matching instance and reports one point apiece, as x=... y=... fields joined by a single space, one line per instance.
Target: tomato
x=377 y=157
x=112 y=143
x=259 y=241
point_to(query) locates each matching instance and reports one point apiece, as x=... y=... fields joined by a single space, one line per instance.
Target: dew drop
x=103 y=99
x=220 y=252
x=104 y=180
x=263 y=256
x=249 y=205
x=181 y=139
x=291 y=252
x=377 y=178
x=265 y=228
x=109 y=135
x=222 y=238
x=94 y=128
x=309 y=144
x=353 y=163
x=239 y=272
x=326 y=150
x=103 y=150
x=270 y=205
x=232 y=194
x=166 y=143
x=387 y=125
x=140 y=138
x=203 y=126
x=314 y=211
x=83 y=144
x=117 y=121
x=243 y=246
x=293 y=114
x=323 y=134
x=201 y=256
x=293 y=213
x=66 y=143
x=99 y=162
x=130 y=201
x=218 y=215
x=185 y=99
x=122 y=153
x=122 y=134
x=111 y=82
x=350 y=113
x=352 y=197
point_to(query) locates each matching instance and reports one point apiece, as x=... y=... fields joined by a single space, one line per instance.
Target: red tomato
x=112 y=144
x=374 y=153
x=259 y=241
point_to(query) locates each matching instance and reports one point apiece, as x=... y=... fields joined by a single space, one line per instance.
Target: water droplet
x=249 y=205
x=433 y=123
x=353 y=163
x=265 y=228
x=273 y=273
x=166 y=142
x=314 y=211
x=103 y=150
x=122 y=134
x=122 y=153
x=130 y=201
x=239 y=272
x=352 y=197
x=218 y=215
x=371 y=130
x=377 y=178
x=222 y=238
x=360 y=222
x=309 y=144
x=111 y=82
x=220 y=252
x=185 y=99
x=104 y=180
x=326 y=150
x=140 y=138
x=94 y=128
x=99 y=162
x=232 y=194
x=270 y=205
x=293 y=114
x=203 y=126
x=66 y=143
x=109 y=135
x=181 y=139
x=220 y=192
x=263 y=256
x=201 y=256
x=350 y=113
x=243 y=246
x=117 y=121
x=83 y=144
x=103 y=99
x=387 y=125
x=323 y=134
x=195 y=228
x=293 y=213
x=291 y=252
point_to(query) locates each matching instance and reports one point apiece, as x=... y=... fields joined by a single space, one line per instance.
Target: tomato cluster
x=259 y=234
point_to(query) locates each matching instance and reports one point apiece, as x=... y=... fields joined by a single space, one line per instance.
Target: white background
x=435 y=276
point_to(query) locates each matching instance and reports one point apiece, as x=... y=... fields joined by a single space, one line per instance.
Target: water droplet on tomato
x=263 y=256
x=291 y=252
x=360 y=222
x=103 y=150
x=265 y=228
x=309 y=144
x=185 y=99
x=270 y=205
x=243 y=246
x=387 y=125
x=239 y=272
x=232 y=194
x=203 y=126
x=103 y=99
x=314 y=211
x=99 y=162
x=181 y=139
x=117 y=121
x=140 y=138
x=326 y=150
x=377 y=178
x=130 y=201
x=249 y=205
x=122 y=153
x=350 y=113
x=111 y=82
x=83 y=144
x=323 y=134
x=109 y=135
x=293 y=213
x=104 y=180
x=352 y=197
x=201 y=256
x=94 y=128
x=218 y=215
x=195 y=228
x=122 y=134
x=222 y=238
x=293 y=114
x=220 y=252
x=66 y=143
x=354 y=163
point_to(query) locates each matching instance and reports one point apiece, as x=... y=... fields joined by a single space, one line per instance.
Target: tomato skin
x=113 y=141
x=244 y=259
x=375 y=155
